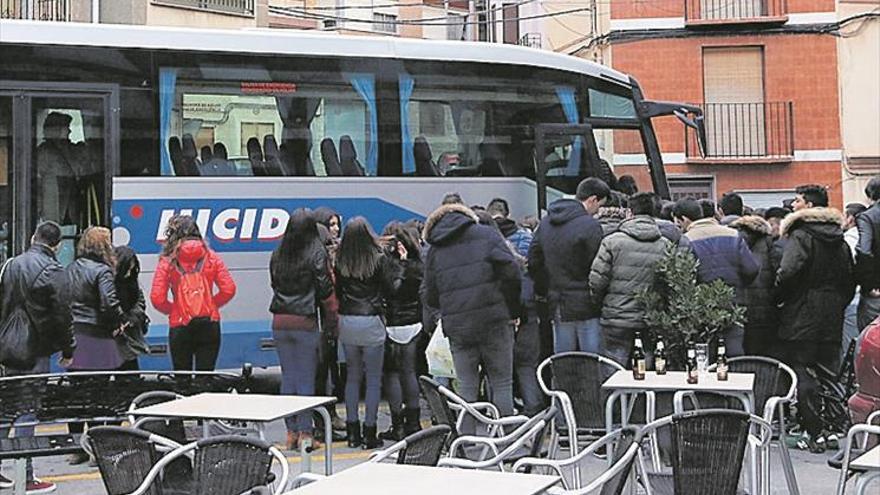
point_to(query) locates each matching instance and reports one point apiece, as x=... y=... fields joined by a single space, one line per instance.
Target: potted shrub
x=679 y=309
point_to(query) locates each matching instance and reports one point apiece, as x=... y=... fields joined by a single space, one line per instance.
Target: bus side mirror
x=697 y=123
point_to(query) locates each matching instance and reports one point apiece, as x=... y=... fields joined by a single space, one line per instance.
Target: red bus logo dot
x=136 y=212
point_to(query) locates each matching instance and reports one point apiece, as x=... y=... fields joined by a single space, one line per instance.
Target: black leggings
x=198 y=341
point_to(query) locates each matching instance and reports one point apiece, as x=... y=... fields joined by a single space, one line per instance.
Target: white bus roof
x=291 y=42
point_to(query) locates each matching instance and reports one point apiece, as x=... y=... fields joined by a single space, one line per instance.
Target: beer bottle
x=721 y=364
x=660 y=357
x=638 y=359
x=693 y=375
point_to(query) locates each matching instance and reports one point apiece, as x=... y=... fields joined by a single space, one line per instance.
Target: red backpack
x=193 y=295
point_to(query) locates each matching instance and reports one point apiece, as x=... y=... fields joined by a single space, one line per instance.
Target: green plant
x=680 y=309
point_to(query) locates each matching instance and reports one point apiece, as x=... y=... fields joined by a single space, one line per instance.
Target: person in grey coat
x=625 y=265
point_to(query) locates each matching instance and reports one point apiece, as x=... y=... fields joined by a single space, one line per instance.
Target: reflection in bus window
x=603 y=104
x=218 y=121
x=5 y=176
x=474 y=126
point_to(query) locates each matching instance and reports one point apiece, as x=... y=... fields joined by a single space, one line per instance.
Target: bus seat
x=190 y=155
x=255 y=155
x=272 y=156
x=220 y=151
x=348 y=158
x=491 y=165
x=175 y=152
x=330 y=158
x=206 y=154
x=219 y=164
x=425 y=166
x=299 y=148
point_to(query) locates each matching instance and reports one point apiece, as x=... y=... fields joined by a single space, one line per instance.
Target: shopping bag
x=439 y=355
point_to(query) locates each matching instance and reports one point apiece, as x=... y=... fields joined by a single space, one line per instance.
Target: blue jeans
x=494 y=352
x=583 y=335
x=363 y=360
x=41 y=366
x=298 y=355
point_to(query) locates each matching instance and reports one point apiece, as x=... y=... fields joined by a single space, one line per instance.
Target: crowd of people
x=507 y=294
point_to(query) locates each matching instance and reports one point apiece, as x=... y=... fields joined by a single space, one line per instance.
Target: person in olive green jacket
x=624 y=265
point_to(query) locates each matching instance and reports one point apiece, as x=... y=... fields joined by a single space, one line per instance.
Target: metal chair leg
x=785 y=457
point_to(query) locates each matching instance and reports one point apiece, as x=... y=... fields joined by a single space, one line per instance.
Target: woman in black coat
x=403 y=313
x=757 y=297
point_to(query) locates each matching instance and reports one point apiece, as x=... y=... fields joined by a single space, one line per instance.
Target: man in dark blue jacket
x=723 y=255
x=560 y=258
x=472 y=277
x=868 y=256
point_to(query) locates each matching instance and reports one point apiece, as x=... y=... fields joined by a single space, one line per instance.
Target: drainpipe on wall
x=96 y=11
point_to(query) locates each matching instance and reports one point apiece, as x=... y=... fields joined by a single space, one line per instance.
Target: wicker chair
x=444 y=403
x=125 y=457
x=624 y=443
x=851 y=450
x=422 y=448
x=505 y=449
x=574 y=381
x=708 y=447
x=166 y=427
x=775 y=387
x=225 y=465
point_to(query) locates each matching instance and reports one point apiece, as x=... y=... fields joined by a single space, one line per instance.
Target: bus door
x=565 y=155
x=58 y=151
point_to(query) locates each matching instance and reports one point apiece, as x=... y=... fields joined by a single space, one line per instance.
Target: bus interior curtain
x=167 y=95
x=365 y=85
x=569 y=106
x=406 y=85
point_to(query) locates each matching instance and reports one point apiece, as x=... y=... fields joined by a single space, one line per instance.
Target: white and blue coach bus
x=125 y=126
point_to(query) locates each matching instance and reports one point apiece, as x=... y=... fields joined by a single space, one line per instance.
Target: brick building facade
x=768 y=83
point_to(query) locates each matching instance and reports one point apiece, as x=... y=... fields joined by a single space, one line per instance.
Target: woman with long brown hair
x=94 y=306
x=191 y=271
x=365 y=278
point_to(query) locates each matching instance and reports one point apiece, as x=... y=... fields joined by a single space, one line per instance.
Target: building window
x=385 y=23
x=733 y=90
x=692 y=187
x=455 y=27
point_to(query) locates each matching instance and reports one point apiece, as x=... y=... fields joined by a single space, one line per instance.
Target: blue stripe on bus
x=237 y=225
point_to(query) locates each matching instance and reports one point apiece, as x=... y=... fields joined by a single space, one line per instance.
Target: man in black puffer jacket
x=815 y=283
x=472 y=276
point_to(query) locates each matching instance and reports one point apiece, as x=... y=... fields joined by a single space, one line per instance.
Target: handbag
x=18 y=341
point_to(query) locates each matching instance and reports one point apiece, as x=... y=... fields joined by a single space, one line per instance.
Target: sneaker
x=37 y=486
x=5 y=482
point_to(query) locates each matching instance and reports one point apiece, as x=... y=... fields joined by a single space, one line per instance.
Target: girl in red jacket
x=191 y=271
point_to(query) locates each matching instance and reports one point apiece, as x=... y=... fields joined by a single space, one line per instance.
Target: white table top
x=869 y=461
x=677 y=380
x=394 y=479
x=242 y=407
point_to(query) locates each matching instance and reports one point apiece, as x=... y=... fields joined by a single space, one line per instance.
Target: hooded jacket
x=560 y=258
x=167 y=277
x=37 y=279
x=610 y=217
x=520 y=240
x=625 y=265
x=133 y=304
x=758 y=297
x=470 y=274
x=815 y=277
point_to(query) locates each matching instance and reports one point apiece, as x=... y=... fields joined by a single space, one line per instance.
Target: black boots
x=370 y=439
x=412 y=422
x=354 y=434
x=395 y=432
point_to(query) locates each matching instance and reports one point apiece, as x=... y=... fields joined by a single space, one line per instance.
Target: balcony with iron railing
x=531 y=40
x=236 y=7
x=713 y=12
x=35 y=10
x=745 y=132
